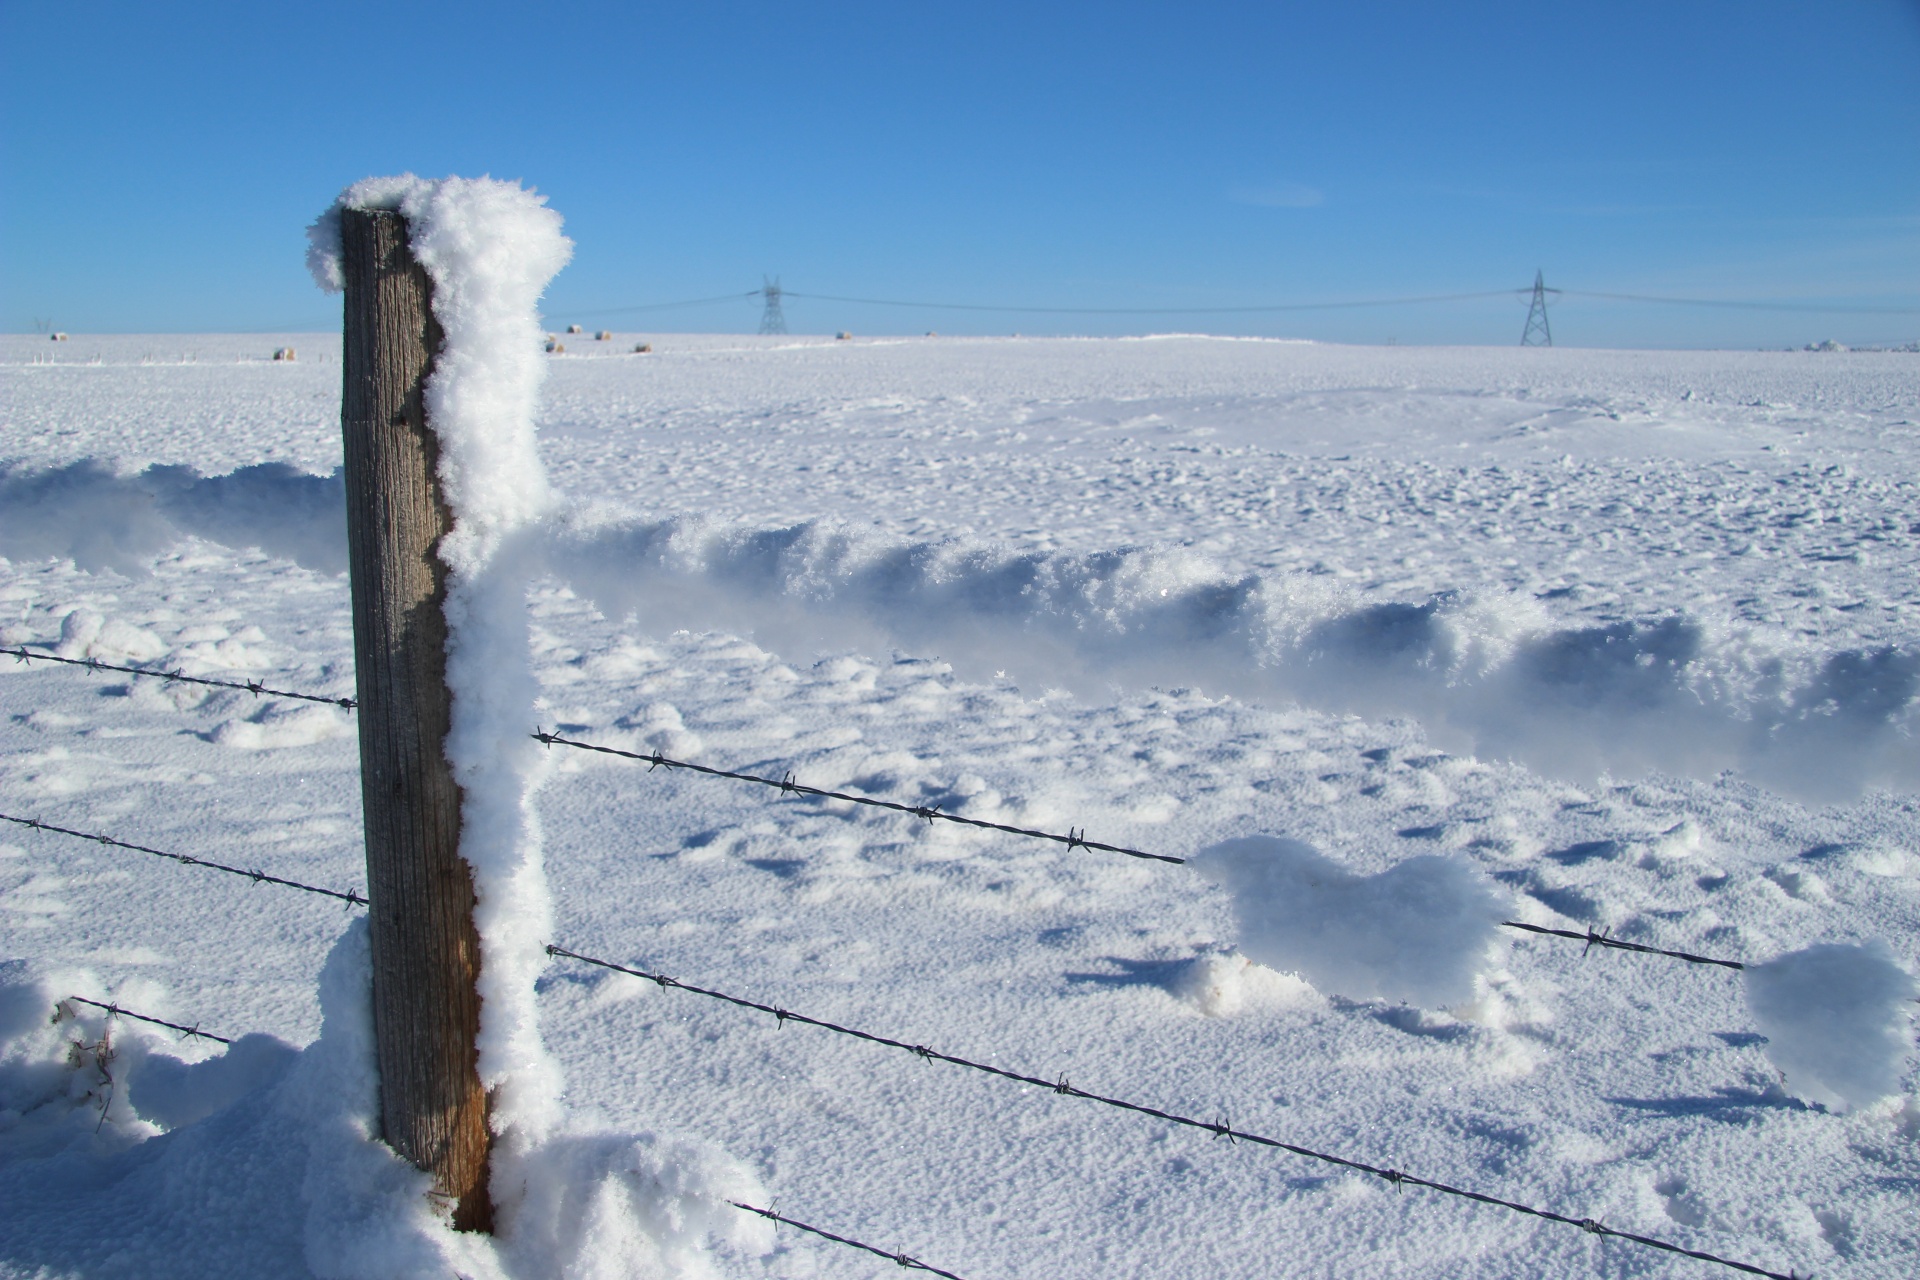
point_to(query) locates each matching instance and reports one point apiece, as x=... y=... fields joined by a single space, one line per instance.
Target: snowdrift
x=1488 y=675
x=261 y=1159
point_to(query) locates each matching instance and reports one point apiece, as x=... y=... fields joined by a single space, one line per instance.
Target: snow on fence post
x=426 y=951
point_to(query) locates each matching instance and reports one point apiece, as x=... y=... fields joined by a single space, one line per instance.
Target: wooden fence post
x=426 y=953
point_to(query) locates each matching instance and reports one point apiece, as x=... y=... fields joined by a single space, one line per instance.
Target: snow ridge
x=1490 y=675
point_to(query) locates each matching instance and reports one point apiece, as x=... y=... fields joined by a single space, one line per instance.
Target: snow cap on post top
x=490 y=249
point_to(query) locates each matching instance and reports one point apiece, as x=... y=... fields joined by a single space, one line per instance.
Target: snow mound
x=269 y=1152
x=1220 y=985
x=1836 y=1021
x=86 y=634
x=278 y=725
x=1422 y=932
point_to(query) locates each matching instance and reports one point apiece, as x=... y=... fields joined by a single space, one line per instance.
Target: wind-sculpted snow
x=1491 y=676
x=1835 y=1017
x=1490 y=673
x=104 y=520
x=1425 y=931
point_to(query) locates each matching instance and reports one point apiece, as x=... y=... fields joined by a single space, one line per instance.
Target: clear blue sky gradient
x=161 y=162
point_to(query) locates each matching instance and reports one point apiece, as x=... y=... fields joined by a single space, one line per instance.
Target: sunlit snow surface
x=1592 y=562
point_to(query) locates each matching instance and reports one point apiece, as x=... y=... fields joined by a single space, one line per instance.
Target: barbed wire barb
x=1598 y=938
x=174 y=676
x=1393 y=1177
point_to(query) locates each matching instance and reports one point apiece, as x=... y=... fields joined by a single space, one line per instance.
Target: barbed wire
x=351 y=897
x=115 y=1011
x=1594 y=939
x=1218 y=1128
x=898 y=1259
x=1076 y=838
x=177 y=677
x=667 y=306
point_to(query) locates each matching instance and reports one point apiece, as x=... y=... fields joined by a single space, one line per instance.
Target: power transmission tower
x=1537 y=334
x=772 y=320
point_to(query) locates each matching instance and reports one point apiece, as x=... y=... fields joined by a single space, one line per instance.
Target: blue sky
x=160 y=162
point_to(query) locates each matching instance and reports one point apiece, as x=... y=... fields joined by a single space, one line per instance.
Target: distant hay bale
x=842 y=336
x=57 y=336
x=574 y=328
x=283 y=353
x=643 y=348
x=932 y=334
x=605 y=335
x=555 y=346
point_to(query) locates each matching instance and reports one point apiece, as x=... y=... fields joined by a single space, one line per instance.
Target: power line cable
x=1737 y=304
x=1817 y=308
x=1157 y=311
x=665 y=306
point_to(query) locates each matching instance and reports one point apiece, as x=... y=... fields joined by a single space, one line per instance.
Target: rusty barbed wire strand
x=898 y=1259
x=177 y=677
x=1596 y=939
x=1219 y=1129
x=115 y=1011
x=351 y=897
x=1074 y=839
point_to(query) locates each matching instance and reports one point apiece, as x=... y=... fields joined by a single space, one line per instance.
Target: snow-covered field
x=1633 y=636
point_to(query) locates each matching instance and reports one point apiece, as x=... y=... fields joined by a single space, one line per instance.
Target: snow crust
x=1424 y=931
x=1837 y=1020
